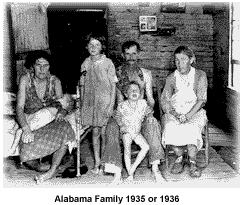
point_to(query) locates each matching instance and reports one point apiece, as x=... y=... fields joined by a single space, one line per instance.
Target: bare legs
x=57 y=157
x=96 y=147
x=127 y=152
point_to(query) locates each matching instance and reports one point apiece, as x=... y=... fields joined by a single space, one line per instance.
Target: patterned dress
x=52 y=136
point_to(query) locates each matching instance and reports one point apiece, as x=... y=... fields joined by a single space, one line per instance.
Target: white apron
x=176 y=133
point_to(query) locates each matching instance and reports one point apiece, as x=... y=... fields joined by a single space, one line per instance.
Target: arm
x=201 y=96
x=82 y=82
x=149 y=91
x=21 y=102
x=113 y=80
x=58 y=89
x=166 y=95
x=119 y=115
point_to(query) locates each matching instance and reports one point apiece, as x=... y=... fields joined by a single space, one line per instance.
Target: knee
x=145 y=148
x=178 y=150
x=192 y=149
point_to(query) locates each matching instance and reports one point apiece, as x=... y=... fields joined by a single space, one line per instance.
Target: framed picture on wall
x=147 y=23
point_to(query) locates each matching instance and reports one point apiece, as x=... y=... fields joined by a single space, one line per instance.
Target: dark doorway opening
x=68 y=28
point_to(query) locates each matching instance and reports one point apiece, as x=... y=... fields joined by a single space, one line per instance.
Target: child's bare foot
x=130 y=178
x=158 y=177
x=95 y=171
x=117 y=179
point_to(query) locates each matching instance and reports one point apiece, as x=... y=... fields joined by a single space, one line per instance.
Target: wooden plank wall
x=195 y=31
x=30 y=27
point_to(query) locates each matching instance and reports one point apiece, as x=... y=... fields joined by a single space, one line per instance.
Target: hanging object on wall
x=166 y=30
x=147 y=23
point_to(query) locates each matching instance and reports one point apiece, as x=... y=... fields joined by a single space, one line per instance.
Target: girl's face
x=133 y=92
x=94 y=47
x=41 y=68
x=183 y=62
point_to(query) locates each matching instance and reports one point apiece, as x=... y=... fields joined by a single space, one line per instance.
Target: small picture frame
x=148 y=23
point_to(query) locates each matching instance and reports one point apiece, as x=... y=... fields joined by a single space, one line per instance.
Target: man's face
x=131 y=55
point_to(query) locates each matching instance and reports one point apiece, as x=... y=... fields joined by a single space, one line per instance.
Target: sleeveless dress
x=52 y=136
x=184 y=98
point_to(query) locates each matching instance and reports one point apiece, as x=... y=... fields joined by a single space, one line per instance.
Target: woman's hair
x=186 y=50
x=100 y=38
x=129 y=44
x=127 y=87
x=35 y=55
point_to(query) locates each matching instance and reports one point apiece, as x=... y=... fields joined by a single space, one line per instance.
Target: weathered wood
x=30 y=27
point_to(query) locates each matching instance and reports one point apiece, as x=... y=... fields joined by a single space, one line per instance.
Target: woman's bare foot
x=43 y=177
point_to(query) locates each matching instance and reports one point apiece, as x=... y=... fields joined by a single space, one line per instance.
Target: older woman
x=183 y=97
x=38 y=89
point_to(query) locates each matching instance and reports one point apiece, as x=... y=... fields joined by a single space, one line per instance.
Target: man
x=128 y=72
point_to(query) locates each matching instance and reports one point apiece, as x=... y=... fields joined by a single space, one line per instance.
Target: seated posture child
x=44 y=117
x=130 y=114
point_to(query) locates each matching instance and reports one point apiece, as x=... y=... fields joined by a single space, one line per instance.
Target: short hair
x=35 y=55
x=129 y=44
x=127 y=87
x=100 y=38
x=186 y=50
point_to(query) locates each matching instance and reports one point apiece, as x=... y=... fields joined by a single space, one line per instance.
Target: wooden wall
x=9 y=65
x=195 y=31
x=30 y=27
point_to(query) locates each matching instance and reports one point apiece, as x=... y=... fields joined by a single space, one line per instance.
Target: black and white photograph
x=90 y=100
x=150 y=23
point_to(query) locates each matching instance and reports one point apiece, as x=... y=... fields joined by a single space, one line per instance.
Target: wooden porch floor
x=217 y=174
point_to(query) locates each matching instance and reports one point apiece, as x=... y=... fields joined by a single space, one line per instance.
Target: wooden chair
x=205 y=133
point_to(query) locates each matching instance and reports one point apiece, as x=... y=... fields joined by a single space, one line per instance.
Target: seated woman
x=38 y=89
x=182 y=99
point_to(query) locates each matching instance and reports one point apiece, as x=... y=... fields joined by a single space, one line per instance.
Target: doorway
x=68 y=28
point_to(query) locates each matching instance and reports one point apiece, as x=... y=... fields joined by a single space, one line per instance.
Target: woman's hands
x=181 y=117
x=60 y=117
x=27 y=135
x=109 y=111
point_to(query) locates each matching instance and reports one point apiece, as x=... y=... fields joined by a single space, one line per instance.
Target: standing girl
x=97 y=92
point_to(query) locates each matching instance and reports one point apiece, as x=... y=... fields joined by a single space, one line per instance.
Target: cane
x=79 y=120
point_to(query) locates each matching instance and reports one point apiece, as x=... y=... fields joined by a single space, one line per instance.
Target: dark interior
x=68 y=29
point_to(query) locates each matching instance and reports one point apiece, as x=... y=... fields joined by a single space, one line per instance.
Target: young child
x=130 y=114
x=97 y=92
x=44 y=117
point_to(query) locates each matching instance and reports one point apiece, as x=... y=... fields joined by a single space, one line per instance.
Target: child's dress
x=100 y=76
x=130 y=119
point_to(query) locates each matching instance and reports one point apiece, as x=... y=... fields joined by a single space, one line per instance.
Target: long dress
x=97 y=95
x=52 y=136
x=183 y=100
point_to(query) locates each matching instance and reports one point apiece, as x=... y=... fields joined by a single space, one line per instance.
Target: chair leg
x=166 y=157
x=207 y=145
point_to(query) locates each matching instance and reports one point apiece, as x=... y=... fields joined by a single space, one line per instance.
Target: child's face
x=183 y=62
x=94 y=47
x=133 y=92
